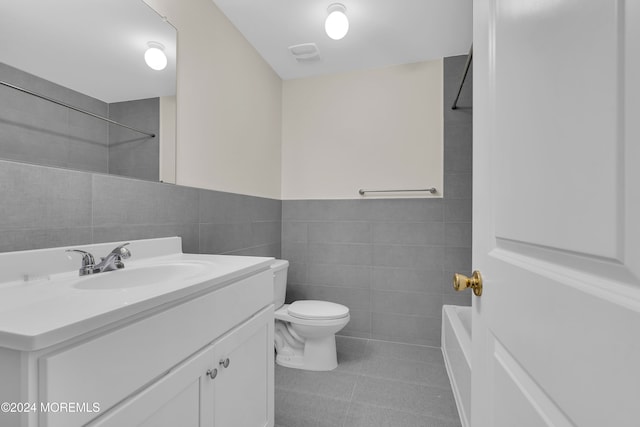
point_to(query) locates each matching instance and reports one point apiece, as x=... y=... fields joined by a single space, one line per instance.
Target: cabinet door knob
x=212 y=373
x=224 y=362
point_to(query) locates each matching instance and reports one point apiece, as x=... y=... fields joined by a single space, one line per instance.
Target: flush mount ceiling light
x=337 y=23
x=155 y=56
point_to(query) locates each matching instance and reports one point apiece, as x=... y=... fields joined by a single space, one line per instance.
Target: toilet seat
x=317 y=310
x=283 y=314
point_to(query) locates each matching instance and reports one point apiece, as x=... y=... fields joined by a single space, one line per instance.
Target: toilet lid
x=310 y=309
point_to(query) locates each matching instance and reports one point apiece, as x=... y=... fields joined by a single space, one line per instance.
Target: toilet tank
x=279 y=269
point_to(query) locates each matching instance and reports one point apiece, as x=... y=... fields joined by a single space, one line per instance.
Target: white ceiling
x=381 y=33
x=95 y=47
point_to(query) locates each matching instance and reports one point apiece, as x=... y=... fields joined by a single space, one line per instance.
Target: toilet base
x=318 y=354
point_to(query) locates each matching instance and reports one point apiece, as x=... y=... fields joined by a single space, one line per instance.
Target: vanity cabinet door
x=244 y=385
x=183 y=398
x=229 y=383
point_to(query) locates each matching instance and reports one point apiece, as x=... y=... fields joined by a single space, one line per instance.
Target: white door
x=556 y=219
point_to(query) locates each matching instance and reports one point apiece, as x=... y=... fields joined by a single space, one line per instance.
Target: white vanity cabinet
x=228 y=383
x=204 y=359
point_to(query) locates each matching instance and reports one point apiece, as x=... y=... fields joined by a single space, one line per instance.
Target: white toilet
x=305 y=330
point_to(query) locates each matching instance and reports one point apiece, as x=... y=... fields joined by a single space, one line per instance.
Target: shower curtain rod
x=464 y=77
x=55 y=101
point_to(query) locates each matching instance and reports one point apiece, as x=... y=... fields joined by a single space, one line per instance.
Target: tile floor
x=376 y=384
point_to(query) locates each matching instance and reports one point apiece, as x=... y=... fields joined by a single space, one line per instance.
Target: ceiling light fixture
x=155 y=56
x=337 y=23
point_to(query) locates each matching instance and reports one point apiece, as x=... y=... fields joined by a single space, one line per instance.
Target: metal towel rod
x=362 y=192
x=55 y=101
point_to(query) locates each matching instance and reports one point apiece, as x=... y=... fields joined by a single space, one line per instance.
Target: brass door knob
x=462 y=282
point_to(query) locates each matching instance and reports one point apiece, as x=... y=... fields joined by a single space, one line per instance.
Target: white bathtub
x=456 y=348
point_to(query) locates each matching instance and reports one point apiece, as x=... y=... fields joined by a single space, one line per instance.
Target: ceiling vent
x=306 y=52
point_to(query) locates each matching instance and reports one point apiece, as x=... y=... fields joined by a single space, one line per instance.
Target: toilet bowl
x=305 y=330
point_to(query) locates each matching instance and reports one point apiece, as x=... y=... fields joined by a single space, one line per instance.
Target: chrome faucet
x=88 y=262
x=113 y=261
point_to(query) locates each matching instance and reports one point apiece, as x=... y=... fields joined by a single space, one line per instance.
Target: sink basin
x=148 y=275
x=44 y=302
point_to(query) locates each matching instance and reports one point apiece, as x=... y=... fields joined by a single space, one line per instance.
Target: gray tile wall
x=36 y=131
x=47 y=207
x=458 y=163
x=131 y=153
x=390 y=261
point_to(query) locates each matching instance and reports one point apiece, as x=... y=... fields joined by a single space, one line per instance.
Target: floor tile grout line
x=408 y=383
x=312 y=394
x=433 y=388
x=394 y=342
x=408 y=411
x=353 y=390
x=404 y=411
x=420 y=359
x=433 y=366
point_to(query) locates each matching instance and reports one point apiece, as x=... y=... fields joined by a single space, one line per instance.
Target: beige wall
x=168 y=113
x=375 y=129
x=229 y=104
x=241 y=129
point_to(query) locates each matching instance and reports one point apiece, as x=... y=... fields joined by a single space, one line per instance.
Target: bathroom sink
x=147 y=275
x=44 y=300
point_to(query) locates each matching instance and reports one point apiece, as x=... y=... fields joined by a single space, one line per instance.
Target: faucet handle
x=87 y=258
x=122 y=252
x=88 y=262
